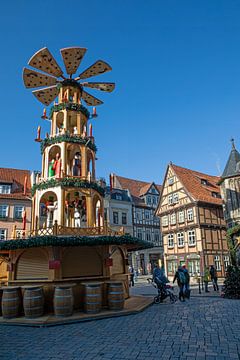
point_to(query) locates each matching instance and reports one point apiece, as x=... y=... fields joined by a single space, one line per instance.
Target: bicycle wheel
x=173 y=298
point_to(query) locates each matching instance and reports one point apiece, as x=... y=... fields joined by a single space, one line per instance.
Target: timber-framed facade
x=192 y=222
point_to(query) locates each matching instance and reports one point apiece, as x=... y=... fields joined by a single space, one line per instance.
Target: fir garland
x=69 y=106
x=69 y=139
x=42 y=241
x=68 y=182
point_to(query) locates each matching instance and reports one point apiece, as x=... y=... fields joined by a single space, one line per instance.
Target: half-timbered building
x=192 y=222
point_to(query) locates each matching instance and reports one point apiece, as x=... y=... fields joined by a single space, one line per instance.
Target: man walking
x=181 y=280
x=186 y=288
x=213 y=274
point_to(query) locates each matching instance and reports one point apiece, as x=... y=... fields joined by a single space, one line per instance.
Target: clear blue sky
x=176 y=65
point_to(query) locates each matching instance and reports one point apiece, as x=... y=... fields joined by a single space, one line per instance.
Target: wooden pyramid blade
x=90 y=100
x=34 y=79
x=109 y=87
x=44 y=61
x=72 y=58
x=99 y=67
x=47 y=95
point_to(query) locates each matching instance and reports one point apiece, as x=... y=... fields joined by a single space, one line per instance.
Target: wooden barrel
x=115 y=295
x=33 y=301
x=63 y=300
x=92 y=297
x=11 y=302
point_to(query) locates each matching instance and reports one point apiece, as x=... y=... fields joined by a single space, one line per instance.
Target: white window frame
x=17 y=210
x=170 y=199
x=147 y=215
x=5 y=189
x=181 y=216
x=173 y=219
x=3 y=234
x=191 y=238
x=217 y=262
x=6 y=209
x=119 y=197
x=156 y=236
x=175 y=198
x=139 y=232
x=148 y=235
x=226 y=261
x=171 y=180
x=165 y=220
x=124 y=215
x=190 y=214
x=138 y=215
x=115 y=223
x=170 y=239
x=180 y=239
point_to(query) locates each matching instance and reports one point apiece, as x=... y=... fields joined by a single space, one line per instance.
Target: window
x=156 y=236
x=204 y=182
x=5 y=189
x=217 y=262
x=175 y=198
x=148 y=235
x=18 y=210
x=170 y=199
x=138 y=215
x=194 y=267
x=173 y=219
x=170 y=241
x=226 y=262
x=147 y=214
x=170 y=181
x=118 y=197
x=172 y=267
x=180 y=239
x=190 y=214
x=181 y=216
x=124 y=218
x=149 y=200
x=3 y=211
x=139 y=234
x=19 y=234
x=216 y=195
x=115 y=217
x=154 y=200
x=191 y=238
x=165 y=220
x=3 y=234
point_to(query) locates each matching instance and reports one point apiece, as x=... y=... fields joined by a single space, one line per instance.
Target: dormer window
x=5 y=189
x=204 y=182
x=149 y=200
x=216 y=195
x=118 y=197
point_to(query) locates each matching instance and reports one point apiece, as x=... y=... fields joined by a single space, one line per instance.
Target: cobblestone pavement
x=202 y=328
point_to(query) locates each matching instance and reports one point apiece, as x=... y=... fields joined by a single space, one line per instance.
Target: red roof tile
x=191 y=180
x=16 y=178
x=136 y=187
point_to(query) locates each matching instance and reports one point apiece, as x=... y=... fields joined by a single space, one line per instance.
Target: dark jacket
x=179 y=277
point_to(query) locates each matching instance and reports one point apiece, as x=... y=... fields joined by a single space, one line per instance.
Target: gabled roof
x=193 y=183
x=232 y=167
x=16 y=178
x=137 y=188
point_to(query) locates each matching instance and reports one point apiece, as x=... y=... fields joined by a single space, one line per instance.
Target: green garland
x=69 y=139
x=50 y=240
x=235 y=230
x=68 y=182
x=69 y=106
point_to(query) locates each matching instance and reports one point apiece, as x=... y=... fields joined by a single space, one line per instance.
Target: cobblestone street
x=202 y=328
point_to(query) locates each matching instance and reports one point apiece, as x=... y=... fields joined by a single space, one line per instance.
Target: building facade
x=192 y=222
x=230 y=191
x=15 y=208
x=146 y=225
x=118 y=209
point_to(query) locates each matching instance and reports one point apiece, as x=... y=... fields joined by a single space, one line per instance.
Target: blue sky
x=176 y=65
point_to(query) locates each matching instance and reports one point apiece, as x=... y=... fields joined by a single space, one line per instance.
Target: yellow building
x=192 y=223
